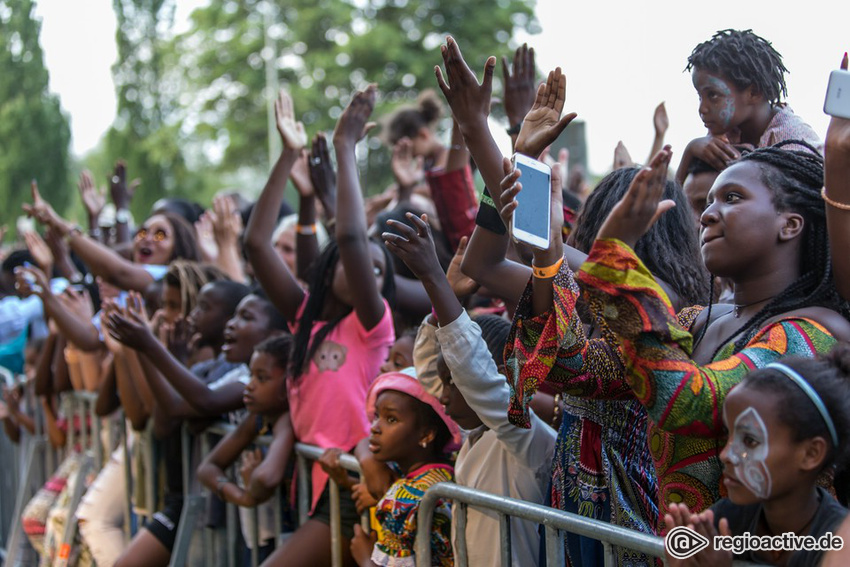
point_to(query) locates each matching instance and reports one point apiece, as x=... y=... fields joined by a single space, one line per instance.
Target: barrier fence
x=80 y=407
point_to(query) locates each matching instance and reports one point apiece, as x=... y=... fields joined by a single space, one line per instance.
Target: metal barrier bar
x=13 y=546
x=70 y=522
x=128 y=481
x=553 y=520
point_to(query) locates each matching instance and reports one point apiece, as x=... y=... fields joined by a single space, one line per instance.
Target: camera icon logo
x=682 y=542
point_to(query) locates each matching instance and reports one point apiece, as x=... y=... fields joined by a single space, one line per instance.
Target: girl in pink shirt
x=342 y=324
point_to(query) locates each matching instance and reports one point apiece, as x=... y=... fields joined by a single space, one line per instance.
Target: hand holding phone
x=837 y=102
x=530 y=222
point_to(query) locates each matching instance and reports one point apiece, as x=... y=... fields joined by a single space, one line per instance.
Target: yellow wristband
x=305 y=228
x=548 y=271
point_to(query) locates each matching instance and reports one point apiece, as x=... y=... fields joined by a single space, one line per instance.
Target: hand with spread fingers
x=642 y=203
x=469 y=100
x=462 y=285
x=544 y=123
x=415 y=246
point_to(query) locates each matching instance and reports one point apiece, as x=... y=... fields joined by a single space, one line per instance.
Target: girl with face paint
x=740 y=80
x=787 y=424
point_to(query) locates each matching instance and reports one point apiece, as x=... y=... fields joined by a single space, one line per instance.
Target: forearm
x=483 y=149
x=485 y=262
x=137 y=375
x=25 y=421
x=230 y=261
x=12 y=430
x=131 y=401
x=42 y=386
x=54 y=434
x=411 y=297
x=109 y=265
x=107 y=396
x=306 y=242
x=84 y=333
x=276 y=279
x=837 y=182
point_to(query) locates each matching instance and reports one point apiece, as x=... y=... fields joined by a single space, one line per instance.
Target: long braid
x=189 y=277
x=796 y=177
x=745 y=59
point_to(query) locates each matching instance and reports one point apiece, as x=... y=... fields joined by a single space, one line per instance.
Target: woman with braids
x=740 y=80
x=603 y=467
x=342 y=324
x=764 y=230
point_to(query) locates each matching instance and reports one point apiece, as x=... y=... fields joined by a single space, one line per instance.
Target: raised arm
x=101 y=260
x=661 y=123
x=227 y=228
x=354 y=248
x=278 y=282
x=306 y=241
x=837 y=190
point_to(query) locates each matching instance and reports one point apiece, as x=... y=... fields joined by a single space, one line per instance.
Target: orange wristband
x=306 y=229
x=548 y=271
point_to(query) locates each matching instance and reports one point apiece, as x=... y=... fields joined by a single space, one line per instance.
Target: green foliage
x=34 y=133
x=323 y=50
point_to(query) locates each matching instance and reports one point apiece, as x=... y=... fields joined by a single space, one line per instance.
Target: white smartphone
x=837 y=101
x=530 y=223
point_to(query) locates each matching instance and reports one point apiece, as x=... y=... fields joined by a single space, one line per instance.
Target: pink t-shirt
x=327 y=403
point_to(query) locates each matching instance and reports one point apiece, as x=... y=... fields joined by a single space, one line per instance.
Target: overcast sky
x=621 y=59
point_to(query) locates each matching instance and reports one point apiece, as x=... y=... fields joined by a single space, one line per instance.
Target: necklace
x=738 y=307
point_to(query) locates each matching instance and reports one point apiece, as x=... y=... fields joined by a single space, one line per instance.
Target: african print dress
x=396 y=513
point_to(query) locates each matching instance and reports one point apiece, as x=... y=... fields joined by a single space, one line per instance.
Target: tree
x=146 y=133
x=323 y=50
x=34 y=133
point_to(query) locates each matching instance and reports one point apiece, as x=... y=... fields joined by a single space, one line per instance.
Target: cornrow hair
x=796 y=178
x=189 y=278
x=745 y=59
x=669 y=249
x=279 y=347
x=321 y=282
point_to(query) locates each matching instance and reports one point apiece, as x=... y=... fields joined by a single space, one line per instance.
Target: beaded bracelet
x=547 y=271
x=831 y=203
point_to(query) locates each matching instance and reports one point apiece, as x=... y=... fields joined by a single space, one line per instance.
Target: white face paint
x=748 y=450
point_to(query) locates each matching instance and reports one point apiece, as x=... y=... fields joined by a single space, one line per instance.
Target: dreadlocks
x=796 y=177
x=745 y=59
x=321 y=282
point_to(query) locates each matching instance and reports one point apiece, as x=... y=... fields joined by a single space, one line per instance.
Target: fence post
x=70 y=522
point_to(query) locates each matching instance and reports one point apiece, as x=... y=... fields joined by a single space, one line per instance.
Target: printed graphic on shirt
x=330 y=356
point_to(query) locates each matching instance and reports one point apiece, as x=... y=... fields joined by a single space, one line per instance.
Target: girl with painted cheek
x=788 y=425
x=740 y=81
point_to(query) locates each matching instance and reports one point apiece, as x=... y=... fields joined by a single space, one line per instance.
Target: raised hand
x=178 y=340
x=407 y=169
x=206 y=238
x=40 y=251
x=469 y=100
x=353 y=124
x=128 y=328
x=94 y=198
x=415 y=247
x=119 y=190
x=622 y=157
x=520 y=87
x=226 y=222
x=462 y=285
x=42 y=212
x=660 y=120
x=31 y=281
x=323 y=176
x=291 y=131
x=544 y=123
x=300 y=175
x=641 y=205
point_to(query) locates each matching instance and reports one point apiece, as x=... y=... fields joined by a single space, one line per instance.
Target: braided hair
x=745 y=59
x=669 y=249
x=320 y=290
x=796 y=178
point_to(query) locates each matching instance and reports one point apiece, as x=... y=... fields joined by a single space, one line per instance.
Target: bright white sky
x=621 y=59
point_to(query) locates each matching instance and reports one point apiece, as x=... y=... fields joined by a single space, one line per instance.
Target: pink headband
x=407 y=384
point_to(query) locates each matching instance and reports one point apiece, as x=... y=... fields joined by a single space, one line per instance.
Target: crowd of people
x=677 y=356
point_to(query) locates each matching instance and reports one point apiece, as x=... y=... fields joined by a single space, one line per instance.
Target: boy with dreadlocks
x=740 y=80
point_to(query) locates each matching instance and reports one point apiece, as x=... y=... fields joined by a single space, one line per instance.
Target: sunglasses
x=158 y=235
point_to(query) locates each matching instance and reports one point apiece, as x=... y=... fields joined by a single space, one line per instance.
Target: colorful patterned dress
x=684 y=400
x=602 y=467
x=396 y=513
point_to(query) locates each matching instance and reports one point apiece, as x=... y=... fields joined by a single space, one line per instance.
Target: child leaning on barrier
x=261 y=471
x=787 y=423
x=407 y=452
x=496 y=456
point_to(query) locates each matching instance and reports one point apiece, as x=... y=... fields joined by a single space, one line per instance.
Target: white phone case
x=837 y=101
x=536 y=240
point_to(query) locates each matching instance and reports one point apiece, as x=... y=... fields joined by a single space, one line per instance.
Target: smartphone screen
x=532 y=212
